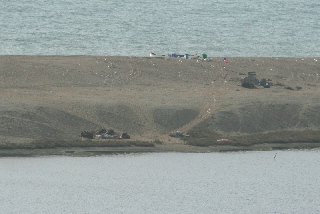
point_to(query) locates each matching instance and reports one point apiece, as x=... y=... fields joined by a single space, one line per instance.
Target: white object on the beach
x=225 y=140
x=155 y=55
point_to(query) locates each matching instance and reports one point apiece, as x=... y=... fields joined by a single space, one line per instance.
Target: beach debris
x=104 y=134
x=87 y=134
x=203 y=56
x=250 y=81
x=125 y=136
x=266 y=83
x=155 y=55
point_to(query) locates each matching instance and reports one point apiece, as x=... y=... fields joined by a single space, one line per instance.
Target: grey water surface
x=282 y=28
x=239 y=182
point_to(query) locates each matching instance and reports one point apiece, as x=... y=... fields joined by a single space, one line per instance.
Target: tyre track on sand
x=205 y=112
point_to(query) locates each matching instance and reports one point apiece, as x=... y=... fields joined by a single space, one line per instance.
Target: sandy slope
x=60 y=96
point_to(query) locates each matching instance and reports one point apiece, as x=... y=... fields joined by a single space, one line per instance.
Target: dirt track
x=60 y=96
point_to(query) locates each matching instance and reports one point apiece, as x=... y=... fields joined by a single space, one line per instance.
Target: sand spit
x=57 y=97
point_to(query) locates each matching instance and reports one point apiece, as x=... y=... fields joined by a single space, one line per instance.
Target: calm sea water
x=136 y=28
x=248 y=182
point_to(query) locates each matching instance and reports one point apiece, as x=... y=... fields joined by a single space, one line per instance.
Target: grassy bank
x=46 y=143
x=200 y=137
x=199 y=142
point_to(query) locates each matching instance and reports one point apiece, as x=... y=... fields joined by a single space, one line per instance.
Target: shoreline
x=166 y=148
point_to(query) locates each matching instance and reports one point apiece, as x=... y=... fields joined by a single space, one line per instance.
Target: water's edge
x=96 y=151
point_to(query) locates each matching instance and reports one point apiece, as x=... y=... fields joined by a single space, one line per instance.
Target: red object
x=224 y=60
